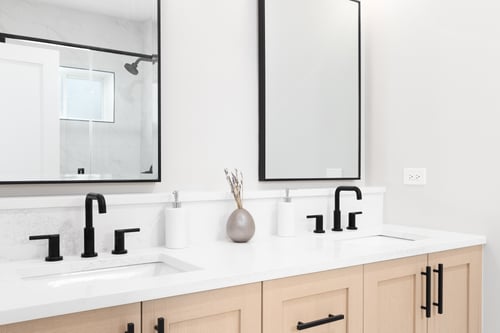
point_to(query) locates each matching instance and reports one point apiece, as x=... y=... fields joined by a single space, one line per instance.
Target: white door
x=29 y=113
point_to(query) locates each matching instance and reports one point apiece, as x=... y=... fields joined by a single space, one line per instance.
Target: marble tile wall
x=206 y=215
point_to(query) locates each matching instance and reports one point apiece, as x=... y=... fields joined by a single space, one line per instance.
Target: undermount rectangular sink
x=107 y=269
x=380 y=240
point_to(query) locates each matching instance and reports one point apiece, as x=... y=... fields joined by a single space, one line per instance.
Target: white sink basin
x=378 y=239
x=382 y=240
x=107 y=269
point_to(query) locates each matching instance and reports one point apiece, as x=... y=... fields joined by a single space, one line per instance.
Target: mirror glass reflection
x=79 y=90
x=309 y=77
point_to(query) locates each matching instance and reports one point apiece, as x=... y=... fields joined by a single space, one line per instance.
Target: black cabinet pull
x=331 y=318
x=439 y=303
x=160 y=327
x=427 y=306
x=130 y=328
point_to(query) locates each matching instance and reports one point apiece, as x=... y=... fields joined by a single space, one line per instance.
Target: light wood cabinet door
x=462 y=281
x=107 y=320
x=393 y=295
x=227 y=310
x=311 y=299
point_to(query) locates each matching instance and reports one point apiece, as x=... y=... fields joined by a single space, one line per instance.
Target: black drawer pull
x=331 y=318
x=439 y=303
x=160 y=327
x=427 y=306
x=130 y=328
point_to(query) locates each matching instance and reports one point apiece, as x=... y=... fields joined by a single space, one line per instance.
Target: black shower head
x=132 y=67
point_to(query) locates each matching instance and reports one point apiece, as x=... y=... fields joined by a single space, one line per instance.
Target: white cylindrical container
x=176 y=228
x=286 y=219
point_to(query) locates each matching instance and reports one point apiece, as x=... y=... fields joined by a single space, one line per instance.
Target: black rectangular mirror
x=309 y=90
x=80 y=90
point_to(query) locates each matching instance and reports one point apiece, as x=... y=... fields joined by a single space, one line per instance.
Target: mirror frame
x=4 y=36
x=262 y=98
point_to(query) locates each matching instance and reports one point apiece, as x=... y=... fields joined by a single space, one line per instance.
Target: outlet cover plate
x=414 y=176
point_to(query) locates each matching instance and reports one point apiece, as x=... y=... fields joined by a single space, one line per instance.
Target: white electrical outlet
x=414 y=176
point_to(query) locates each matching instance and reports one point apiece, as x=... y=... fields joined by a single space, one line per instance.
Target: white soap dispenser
x=176 y=227
x=286 y=216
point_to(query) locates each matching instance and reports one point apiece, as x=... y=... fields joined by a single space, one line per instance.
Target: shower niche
x=80 y=91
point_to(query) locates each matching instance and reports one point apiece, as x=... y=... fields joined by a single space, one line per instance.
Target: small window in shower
x=87 y=95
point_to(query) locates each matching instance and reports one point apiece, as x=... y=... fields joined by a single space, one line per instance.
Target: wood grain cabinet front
x=436 y=293
x=108 y=320
x=330 y=301
x=461 y=291
x=228 y=310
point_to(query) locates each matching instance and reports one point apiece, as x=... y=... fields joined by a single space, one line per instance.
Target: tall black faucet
x=88 y=231
x=336 y=212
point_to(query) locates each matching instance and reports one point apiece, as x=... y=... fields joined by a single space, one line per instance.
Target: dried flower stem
x=235 y=180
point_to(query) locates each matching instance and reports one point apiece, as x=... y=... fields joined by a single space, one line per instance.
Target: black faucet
x=88 y=231
x=336 y=212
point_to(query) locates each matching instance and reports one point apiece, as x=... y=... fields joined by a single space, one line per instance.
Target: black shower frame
x=4 y=36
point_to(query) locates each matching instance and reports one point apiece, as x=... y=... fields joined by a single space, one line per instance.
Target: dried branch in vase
x=235 y=180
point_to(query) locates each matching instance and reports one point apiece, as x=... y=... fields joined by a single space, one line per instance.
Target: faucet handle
x=120 y=240
x=319 y=223
x=54 y=254
x=352 y=220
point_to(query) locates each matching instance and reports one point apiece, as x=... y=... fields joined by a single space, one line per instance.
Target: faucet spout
x=88 y=231
x=101 y=206
x=336 y=212
x=339 y=189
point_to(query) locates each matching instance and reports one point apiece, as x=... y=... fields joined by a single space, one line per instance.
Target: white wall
x=433 y=101
x=209 y=92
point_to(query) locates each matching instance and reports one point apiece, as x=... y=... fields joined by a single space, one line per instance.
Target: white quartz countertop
x=211 y=266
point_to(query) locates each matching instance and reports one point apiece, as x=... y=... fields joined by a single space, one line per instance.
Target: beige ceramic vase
x=240 y=226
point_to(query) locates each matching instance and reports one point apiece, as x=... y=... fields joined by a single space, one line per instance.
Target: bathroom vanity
x=379 y=278
x=367 y=281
